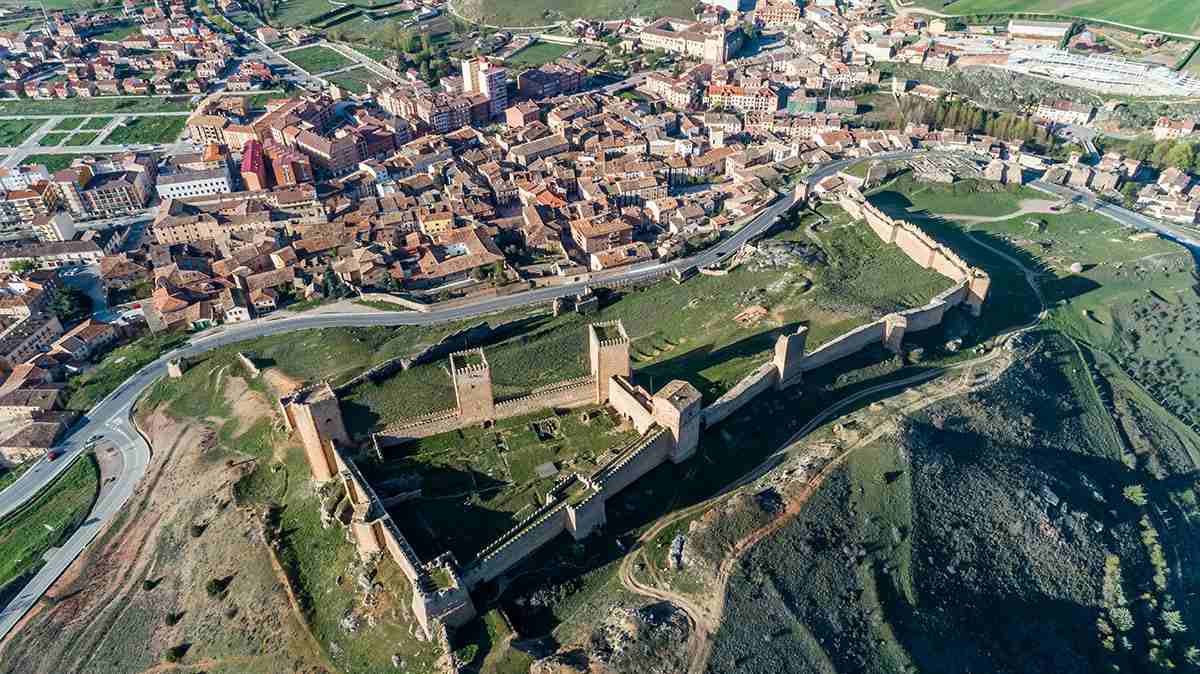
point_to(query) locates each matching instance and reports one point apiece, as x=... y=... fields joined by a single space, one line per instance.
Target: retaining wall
x=248 y=364
x=743 y=392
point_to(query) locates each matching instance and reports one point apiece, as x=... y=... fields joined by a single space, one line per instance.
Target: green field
x=118 y=31
x=13 y=132
x=47 y=521
x=536 y=54
x=545 y=12
x=318 y=59
x=355 y=80
x=95 y=123
x=1175 y=16
x=52 y=139
x=70 y=123
x=52 y=162
x=140 y=130
x=81 y=138
x=92 y=106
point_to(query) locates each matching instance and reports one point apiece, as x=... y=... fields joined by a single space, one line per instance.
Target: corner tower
x=608 y=349
x=472 y=385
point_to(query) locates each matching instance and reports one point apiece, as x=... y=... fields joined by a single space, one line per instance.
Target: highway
x=110 y=419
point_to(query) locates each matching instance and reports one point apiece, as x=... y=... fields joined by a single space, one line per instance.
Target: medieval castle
x=669 y=422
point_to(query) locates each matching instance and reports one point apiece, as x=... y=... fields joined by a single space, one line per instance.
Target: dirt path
x=707 y=618
x=1025 y=207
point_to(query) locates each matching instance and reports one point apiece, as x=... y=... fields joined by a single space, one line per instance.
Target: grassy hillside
x=543 y=12
x=1176 y=16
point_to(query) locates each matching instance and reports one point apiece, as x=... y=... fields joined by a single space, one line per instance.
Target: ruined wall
x=550 y=522
x=625 y=398
x=743 y=392
x=850 y=343
x=928 y=316
x=569 y=393
x=247 y=364
x=314 y=415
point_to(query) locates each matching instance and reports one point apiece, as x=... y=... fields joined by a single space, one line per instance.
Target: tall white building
x=480 y=76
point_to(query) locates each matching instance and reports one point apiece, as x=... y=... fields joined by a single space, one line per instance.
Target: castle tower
x=977 y=290
x=894 y=326
x=789 y=355
x=677 y=409
x=472 y=385
x=313 y=414
x=608 y=349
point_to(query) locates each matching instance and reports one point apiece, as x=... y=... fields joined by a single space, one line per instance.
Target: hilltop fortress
x=669 y=423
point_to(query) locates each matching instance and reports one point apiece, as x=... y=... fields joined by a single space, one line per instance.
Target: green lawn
x=13 y=132
x=536 y=54
x=295 y=12
x=10 y=475
x=118 y=31
x=318 y=59
x=1176 y=16
x=52 y=139
x=95 y=123
x=137 y=130
x=355 y=81
x=52 y=162
x=70 y=123
x=81 y=138
x=81 y=106
x=48 y=521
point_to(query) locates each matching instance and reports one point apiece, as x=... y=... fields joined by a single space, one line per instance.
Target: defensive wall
x=791 y=361
x=669 y=422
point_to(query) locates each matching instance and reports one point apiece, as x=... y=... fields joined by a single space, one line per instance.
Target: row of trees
x=1182 y=154
x=959 y=114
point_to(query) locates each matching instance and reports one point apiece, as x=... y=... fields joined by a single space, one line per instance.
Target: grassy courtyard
x=355 y=80
x=476 y=483
x=318 y=59
x=141 y=130
x=70 y=123
x=88 y=106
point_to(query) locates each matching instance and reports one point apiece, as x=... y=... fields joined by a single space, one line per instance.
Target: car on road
x=53 y=454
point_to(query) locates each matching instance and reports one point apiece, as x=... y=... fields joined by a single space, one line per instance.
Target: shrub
x=196 y=530
x=215 y=587
x=172 y=618
x=176 y=653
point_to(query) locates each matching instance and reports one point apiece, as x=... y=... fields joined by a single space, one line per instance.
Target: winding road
x=110 y=420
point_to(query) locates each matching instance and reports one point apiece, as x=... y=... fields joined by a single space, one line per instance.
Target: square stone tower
x=789 y=355
x=608 y=349
x=472 y=385
x=677 y=409
x=313 y=414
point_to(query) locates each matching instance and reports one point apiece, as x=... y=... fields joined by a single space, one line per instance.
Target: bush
x=176 y=653
x=196 y=530
x=173 y=619
x=215 y=587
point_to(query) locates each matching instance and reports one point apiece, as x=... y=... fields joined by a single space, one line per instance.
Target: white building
x=185 y=184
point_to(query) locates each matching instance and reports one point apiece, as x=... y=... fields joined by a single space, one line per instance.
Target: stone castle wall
x=846 y=345
x=762 y=379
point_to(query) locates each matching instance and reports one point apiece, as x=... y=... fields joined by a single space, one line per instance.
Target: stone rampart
x=848 y=344
x=515 y=547
x=928 y=316
x=765 y=377
x=569 y=393
x=650 y=451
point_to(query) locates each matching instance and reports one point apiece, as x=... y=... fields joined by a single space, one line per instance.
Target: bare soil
x=180 y=530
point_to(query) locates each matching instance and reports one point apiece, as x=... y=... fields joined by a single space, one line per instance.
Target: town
x=231 y=172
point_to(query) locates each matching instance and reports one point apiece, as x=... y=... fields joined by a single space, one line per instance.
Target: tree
x=1135 y=494
x=1182 y=155
x=1130 y=191
x=1173 y=622
x=70 y=304
x=22 y=267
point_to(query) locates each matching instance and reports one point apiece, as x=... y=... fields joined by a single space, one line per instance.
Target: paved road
x=1118 y=213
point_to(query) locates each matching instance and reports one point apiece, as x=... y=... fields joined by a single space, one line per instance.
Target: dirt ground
x=140 y=590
